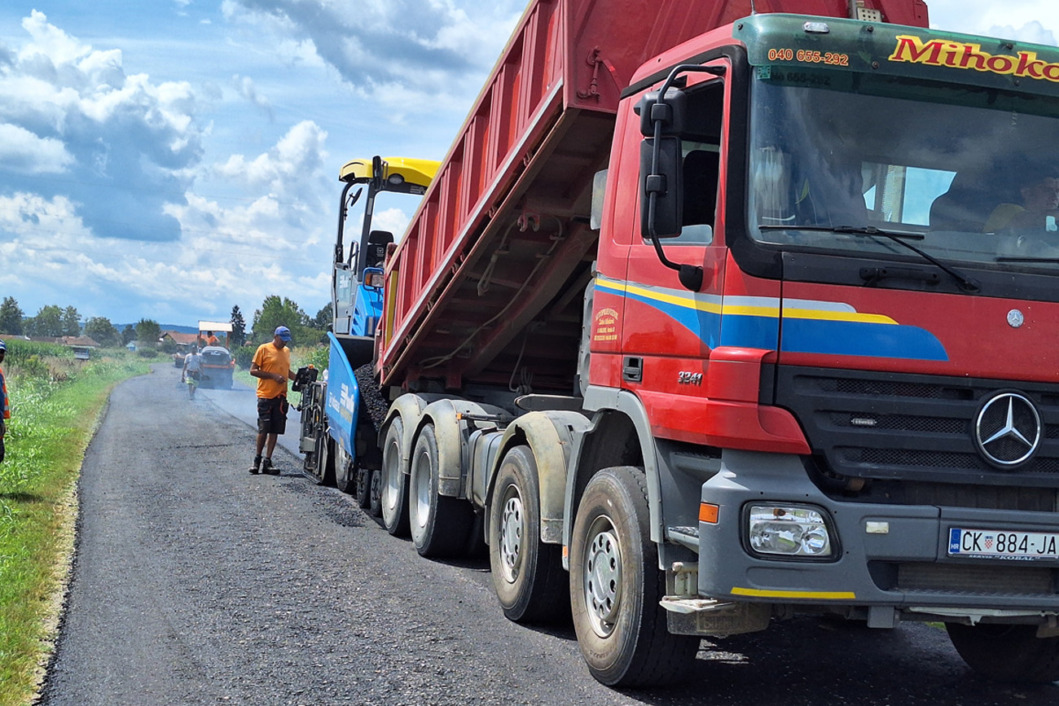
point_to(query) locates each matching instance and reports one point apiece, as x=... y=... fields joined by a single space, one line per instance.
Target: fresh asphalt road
x=195 y=582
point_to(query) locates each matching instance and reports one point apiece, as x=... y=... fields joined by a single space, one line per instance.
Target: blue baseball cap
x=283 y=332
x=3 y=346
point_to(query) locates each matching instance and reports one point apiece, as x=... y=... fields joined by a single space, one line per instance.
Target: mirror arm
x=690 y=276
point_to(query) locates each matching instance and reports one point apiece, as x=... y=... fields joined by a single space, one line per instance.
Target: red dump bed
x=489 y=278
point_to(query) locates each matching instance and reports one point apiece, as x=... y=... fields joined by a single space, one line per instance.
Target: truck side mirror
x=662 y=118
x=669 y=114
x=661 y=188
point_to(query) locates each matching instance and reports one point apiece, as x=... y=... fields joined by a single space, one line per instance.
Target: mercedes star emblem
x=1015 y=318
x=1008 y=429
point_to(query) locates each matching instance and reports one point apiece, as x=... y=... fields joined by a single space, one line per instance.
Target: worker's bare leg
x=271 y=445
x=266 y=462
x=259 y=447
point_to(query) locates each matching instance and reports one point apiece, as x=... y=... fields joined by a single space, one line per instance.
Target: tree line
x=53 y=321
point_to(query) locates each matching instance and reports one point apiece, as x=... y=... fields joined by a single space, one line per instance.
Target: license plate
x=1002 y=544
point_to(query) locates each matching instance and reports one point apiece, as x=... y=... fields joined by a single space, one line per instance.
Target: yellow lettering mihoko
x=961 y=55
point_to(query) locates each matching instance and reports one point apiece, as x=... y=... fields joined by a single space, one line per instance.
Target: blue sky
x=168 y=159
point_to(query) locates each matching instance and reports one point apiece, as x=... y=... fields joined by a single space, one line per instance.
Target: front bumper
x=884 y=555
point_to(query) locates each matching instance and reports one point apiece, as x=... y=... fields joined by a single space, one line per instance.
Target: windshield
x=971 y=174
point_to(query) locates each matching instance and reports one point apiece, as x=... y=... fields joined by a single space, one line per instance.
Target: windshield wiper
x=871 y=275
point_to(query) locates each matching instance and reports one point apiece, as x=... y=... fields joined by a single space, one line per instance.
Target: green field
x=56 y=403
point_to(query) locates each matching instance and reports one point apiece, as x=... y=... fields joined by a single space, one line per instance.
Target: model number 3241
x=685 y=377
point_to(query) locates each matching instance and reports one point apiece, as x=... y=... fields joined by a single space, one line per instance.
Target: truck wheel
x=615 y=587
x=363 y=490
x=528 y=576
x=394 y=482
x=1011 y=653
x=375 y=493
x=439 y=524
x=345 y=473
x=325 y=466
x=334 y=456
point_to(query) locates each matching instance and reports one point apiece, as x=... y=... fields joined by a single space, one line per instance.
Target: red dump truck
x=703 y=324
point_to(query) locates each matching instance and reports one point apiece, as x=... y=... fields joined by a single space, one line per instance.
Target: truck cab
x=861 y=356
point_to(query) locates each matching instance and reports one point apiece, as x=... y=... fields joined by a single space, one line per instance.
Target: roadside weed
x=55 y=404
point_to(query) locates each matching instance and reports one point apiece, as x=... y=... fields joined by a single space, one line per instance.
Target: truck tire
x=439 y=524
x=375 y=494
x=363 y=490
x=345 y=472
x=325 y=466
x=1011 y=653
x=394 y=482
x=528 y=576
x=615 y=587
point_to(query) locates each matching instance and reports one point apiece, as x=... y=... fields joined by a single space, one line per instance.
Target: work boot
x=257 y=464
x=267 y=467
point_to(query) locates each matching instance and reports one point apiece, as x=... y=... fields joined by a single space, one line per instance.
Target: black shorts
x=272 y=415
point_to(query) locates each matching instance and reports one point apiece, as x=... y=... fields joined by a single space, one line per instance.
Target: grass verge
x=56 y=403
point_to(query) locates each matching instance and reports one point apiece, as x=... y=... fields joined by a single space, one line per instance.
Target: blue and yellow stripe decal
x=808 y=326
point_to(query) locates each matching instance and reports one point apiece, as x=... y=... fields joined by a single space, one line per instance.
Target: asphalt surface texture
x=195 y=582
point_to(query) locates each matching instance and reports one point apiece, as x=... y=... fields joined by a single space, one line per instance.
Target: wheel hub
x=375 y=488
x=422 y=489
x=511 y=537
x=391 y=481
x=602 y=580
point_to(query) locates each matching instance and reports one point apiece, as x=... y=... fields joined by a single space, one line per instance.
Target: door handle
x=632 y=369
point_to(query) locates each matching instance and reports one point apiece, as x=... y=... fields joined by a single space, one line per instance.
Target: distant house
x=82 y=345
x=78 y=341
x=183 y=341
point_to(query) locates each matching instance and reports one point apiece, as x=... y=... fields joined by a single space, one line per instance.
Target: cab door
x=667 y=332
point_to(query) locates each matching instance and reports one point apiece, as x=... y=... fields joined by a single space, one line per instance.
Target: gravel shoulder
x=195 y=582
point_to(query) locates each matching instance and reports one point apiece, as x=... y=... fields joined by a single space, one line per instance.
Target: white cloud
x=26 y=153
x=72 y=107
x=393 y=220
x=132 y=150
x=276 y=243
x=291 y=170
x=51 y=223
x=1033 y=32
x=408 y=56
x=50 y=42
x=246 y=88
x=1025 y=20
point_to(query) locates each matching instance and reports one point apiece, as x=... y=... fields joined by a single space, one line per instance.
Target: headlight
x=788 y=530
x=375 y=279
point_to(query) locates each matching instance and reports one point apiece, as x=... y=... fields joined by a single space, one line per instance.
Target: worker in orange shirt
x=271 y=367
